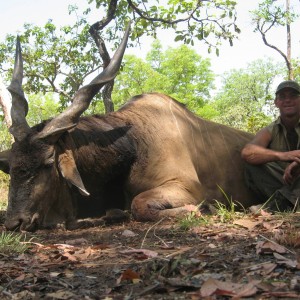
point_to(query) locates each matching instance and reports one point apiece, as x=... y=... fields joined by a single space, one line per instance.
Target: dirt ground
x=253 y=257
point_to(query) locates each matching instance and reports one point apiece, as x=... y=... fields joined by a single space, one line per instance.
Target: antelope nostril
x=12 y=224
x=19 y=222
x=29 y=226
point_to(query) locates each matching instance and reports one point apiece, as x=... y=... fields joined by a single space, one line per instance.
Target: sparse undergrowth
x=13 y=243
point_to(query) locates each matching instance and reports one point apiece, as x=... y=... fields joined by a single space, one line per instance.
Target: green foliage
x=4 y=182
x=273 y=13
x=189 y=75
x=226 y=212
x=257 y=121
x=296 y=64
x=207 y=111
x=192 y=219
x=179 y=72
x=56 y=61
x=267 y=18
x=155 y=56
x=41 y=107
x=5 y=137
x=12 y=243
x=60 y=59
x=245 y=100
x=207 y=21
x=137 y=77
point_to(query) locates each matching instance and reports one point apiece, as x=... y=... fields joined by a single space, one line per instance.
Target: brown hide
x=182 y=159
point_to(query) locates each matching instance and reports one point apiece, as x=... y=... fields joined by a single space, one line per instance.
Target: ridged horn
x=19 y=109
x=83 y=97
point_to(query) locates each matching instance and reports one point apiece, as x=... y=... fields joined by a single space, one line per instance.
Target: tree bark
x=94 y=32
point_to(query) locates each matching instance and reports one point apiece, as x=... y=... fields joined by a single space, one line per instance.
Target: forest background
x=58 y=60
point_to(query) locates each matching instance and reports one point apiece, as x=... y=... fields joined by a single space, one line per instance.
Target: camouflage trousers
x=266 y=181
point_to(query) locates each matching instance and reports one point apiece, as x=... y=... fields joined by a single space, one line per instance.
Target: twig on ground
x=179 y=252
x=142 y=245
x=165 y=244
x=150 y=289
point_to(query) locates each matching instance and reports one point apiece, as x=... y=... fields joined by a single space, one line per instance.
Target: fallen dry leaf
x=262 y=269
x=69 y=256
x=61 y=294
x=271 y=225
x=285 y=261
x=129 y=275
x=24 y=295
x=257 y=210
x=267 y=247
x=247 y=223
x=21 y=277
x=247 y=290
x=268 y=268
x=145 y=252
x=224 y=288
x=265 y=214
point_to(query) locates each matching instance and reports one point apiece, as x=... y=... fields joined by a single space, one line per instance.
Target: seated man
x=273 y=156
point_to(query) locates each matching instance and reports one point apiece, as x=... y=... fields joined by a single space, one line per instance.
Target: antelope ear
x=68 y=169
x=53 y=136
x=67 y=164
x=4 y=165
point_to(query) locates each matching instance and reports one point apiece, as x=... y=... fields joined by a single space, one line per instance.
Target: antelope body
x=152 y=156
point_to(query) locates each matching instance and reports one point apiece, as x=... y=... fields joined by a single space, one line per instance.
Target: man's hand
x=291 y=172
x=293 y=156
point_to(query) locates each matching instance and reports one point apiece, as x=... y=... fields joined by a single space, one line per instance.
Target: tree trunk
x=289 y=43
x=94 y=32
x=106 y=94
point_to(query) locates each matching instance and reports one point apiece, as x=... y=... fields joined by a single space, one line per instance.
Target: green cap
x=288 y=84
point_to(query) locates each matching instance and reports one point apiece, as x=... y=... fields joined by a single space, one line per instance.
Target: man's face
x=288 y=102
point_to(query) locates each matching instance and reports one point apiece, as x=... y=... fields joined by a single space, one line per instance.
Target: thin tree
x=269 y=16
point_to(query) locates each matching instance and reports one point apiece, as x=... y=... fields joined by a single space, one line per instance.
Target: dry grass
x=289 y=237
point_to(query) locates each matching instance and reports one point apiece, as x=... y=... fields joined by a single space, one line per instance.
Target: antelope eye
x=50 y=160
x=22 y=173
